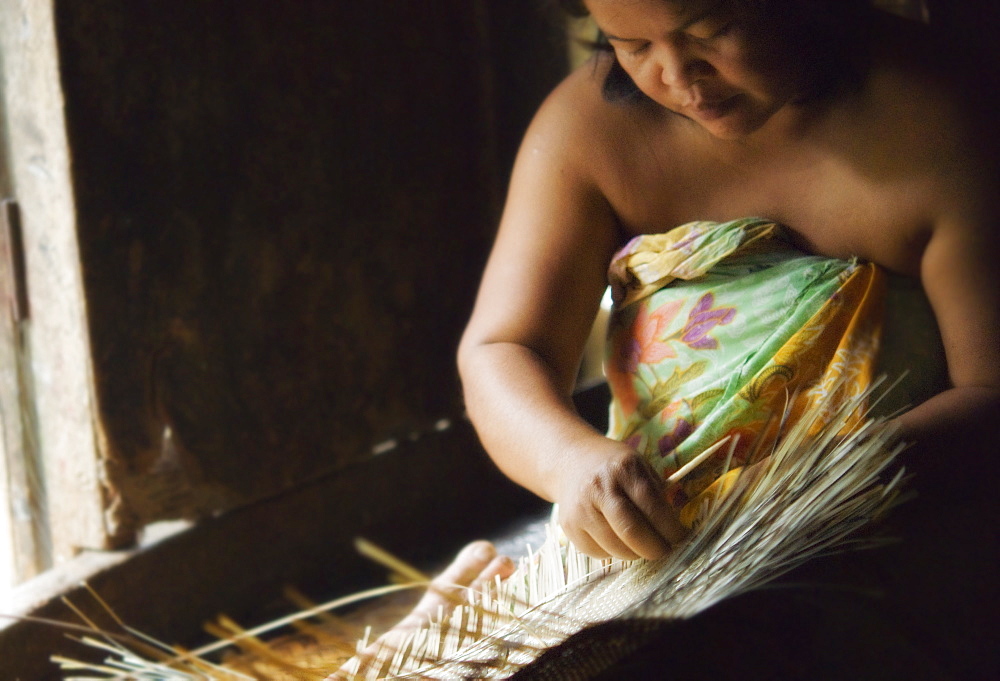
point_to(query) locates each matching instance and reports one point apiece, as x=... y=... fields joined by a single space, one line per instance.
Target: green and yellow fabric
x=726 y=329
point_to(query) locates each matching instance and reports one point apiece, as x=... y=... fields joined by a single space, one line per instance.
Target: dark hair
x=574 y=8
x=830 y=36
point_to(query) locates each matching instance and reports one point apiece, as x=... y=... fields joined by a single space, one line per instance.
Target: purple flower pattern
x=646 y=340
x=701 y=320
x=669 y=442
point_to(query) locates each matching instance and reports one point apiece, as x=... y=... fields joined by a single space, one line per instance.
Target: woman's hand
x=612 y=503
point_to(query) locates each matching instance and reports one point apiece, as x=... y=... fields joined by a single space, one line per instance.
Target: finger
x=611 y=544
x=608 y=515
x=468 y=564
x=501 y=566
x=582 y=541
x=633 y=530
x=646 y=522
x=650 y=501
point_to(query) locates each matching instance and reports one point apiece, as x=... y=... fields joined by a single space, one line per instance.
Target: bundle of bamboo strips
x=823 y=481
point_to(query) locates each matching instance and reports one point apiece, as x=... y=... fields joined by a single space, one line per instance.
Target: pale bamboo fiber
x=806 y=498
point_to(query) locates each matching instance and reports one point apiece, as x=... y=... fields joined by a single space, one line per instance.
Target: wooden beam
x=237 y=563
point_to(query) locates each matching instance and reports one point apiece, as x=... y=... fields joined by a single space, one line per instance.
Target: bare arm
x=520 y=352
x=959 y=427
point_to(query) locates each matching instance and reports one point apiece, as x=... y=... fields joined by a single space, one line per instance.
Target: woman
x=876 y=159
x=842 y=124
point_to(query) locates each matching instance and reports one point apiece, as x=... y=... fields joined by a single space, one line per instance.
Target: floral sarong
x=726 y=329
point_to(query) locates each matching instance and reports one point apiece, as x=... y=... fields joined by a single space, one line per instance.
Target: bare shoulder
x=577 y=106
x=582 y=128
x=557 y=232
x=937 y=112
x=560 y=168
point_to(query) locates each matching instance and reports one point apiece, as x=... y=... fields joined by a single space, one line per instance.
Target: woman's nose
x=679 y=68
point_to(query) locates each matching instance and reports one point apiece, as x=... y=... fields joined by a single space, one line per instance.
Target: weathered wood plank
x=25 y=528
x=283 y=211
x=54 y=359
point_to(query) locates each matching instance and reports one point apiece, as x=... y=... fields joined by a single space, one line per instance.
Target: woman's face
x=707 y=60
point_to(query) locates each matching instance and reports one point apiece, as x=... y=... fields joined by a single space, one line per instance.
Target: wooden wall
x=283 y=210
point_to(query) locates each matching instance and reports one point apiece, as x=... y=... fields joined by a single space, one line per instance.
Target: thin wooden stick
x=383 y=557
x=696 y=461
